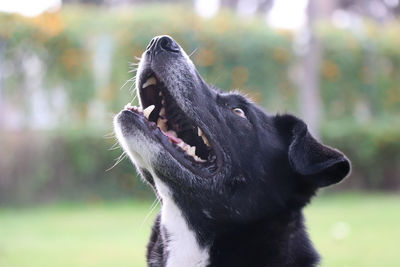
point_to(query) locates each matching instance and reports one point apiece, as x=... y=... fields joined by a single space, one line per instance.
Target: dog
x=232 y=179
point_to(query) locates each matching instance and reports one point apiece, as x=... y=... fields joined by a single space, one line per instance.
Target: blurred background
x=69 y=197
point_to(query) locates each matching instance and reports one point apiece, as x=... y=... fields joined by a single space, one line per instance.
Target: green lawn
x=351 y=230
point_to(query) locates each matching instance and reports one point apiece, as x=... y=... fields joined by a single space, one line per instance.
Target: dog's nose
x=162 y=43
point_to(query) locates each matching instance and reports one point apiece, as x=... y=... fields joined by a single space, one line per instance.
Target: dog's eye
x=239 y=112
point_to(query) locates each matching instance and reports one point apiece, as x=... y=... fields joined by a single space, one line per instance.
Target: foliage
x=373 y=148
x=68 y=164
x=360 y=72
x=68 y=49
x=360 y=88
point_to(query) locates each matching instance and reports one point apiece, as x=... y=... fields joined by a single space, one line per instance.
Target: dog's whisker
x=118 y=160
x=133 y=70
x=109 y=135
x=127 y=81
x=134 y=98
x=194 y=51
x=114 y=146
x=133 y=86
x=152 y=208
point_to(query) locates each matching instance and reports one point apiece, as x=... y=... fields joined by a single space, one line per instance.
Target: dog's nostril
x=168 y=44
x=151 y=43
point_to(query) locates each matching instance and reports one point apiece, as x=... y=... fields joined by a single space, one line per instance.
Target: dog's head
x=218 y=155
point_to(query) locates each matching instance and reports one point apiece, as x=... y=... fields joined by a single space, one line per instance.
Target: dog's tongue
x=172 y=136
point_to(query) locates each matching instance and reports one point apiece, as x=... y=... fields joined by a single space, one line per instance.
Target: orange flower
x=205 y=57
x=280 y=55
x=393 y=96
x=70 y=59
x=240 y=75
x=330 y=70
x=49 y=23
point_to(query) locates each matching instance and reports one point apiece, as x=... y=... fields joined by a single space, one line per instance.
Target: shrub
x=360 y=88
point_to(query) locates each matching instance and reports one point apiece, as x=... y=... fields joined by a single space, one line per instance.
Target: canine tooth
x=160 y=93
x=200 y=133
x=205 y=140
x=162 y=124
x=147 y=111
x=162 y=112
x=150 y=81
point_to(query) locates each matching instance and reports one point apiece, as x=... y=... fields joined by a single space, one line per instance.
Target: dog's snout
x=162 y=43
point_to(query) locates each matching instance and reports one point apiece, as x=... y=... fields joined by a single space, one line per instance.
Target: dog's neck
x=182 y=246
x=268 y=242
x=258 y=244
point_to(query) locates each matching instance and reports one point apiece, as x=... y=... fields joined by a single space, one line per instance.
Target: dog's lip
x=154 y=132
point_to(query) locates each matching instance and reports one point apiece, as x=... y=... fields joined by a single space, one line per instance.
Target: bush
x=359 y=87
x=373 y=149
x=72 y=164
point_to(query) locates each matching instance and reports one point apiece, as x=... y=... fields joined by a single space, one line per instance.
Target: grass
x=349 y=230
x=356 y=230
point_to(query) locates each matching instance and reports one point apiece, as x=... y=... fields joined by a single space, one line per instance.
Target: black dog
x=232 y=179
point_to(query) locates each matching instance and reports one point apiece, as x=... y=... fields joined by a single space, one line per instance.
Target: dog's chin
x=153 y=146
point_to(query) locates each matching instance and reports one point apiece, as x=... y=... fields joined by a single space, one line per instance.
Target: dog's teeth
x=150 y=81
x=199 y=159
x=171 y=132
x=163 y=102
x=200 y=133
x=182 y=145
x=162 y=124
x=205 y=140
x=160 y=93
x=192 y=151
x=162 y=112
x=147 y=111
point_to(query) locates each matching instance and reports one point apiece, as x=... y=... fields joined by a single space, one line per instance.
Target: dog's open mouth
x=161 y=110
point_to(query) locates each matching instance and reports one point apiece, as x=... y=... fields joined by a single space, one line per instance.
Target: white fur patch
x=183 y=248
x=140 y=148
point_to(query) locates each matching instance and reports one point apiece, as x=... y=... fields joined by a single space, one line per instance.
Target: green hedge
x=373 y=149
x=74 y=164
x=360 y=87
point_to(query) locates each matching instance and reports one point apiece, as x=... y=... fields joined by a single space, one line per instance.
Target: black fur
x=246 y=210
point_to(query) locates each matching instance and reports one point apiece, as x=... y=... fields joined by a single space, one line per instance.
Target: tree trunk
x=310 y=99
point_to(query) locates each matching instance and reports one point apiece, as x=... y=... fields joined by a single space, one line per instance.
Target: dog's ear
x=318 y=164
